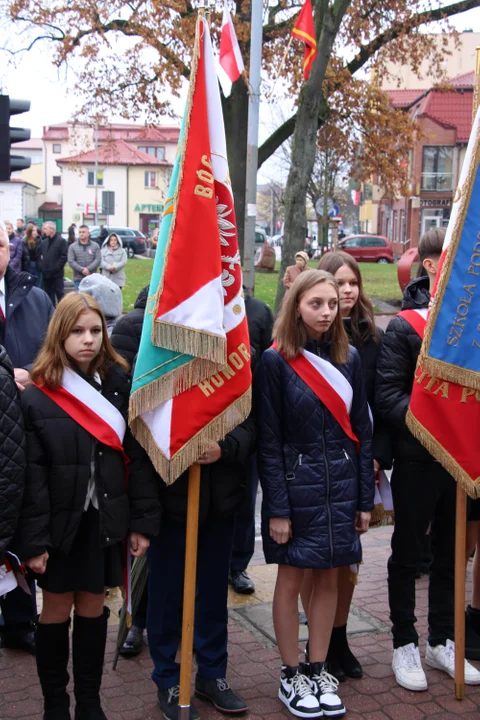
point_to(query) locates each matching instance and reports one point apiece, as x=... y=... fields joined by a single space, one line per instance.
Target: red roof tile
x=117 y=131
x=50 y=207
x=451 y=109
x=465 y=80
x=403 y=98
x=117 y=152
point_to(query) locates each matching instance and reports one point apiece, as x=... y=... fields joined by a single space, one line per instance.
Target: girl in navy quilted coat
x=316 y=469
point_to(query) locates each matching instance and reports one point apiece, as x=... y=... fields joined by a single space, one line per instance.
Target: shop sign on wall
x=148 y=208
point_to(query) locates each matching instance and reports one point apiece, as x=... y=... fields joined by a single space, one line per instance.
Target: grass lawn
x=380 y=281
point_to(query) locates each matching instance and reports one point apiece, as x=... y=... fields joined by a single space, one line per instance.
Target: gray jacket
x=117 y=258
x=83 y=256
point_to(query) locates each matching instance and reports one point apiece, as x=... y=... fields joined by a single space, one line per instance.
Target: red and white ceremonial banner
x=444 y=411
x=230 y=60
x=192 y=381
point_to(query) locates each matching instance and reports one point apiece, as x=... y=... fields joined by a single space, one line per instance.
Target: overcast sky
x=37 y=80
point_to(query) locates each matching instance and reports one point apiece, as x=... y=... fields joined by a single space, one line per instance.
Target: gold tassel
x=170 y=470
x=471 y=487
x=188 y=341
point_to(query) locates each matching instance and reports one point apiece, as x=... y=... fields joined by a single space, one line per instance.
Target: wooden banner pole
x=189 y=588
x=460 y=568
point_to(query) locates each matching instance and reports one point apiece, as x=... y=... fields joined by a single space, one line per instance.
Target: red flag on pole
x=230 y=56
x=304 y=30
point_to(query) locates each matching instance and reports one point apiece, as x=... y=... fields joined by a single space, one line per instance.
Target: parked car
x=368 y=248
x=133 y=240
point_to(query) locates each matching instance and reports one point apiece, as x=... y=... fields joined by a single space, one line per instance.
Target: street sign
x=334 y=212
x=319 y=206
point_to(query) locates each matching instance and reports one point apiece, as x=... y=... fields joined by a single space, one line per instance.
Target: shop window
x=437 y=168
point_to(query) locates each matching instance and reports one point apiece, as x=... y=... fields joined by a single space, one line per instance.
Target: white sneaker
x=297 y=694
x=326 y=686
x=407 y=668
x=442 y=657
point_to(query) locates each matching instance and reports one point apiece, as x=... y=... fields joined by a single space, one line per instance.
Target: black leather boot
x=89 y=639
x=52 y=643
x=472 y=633
x=340 y=659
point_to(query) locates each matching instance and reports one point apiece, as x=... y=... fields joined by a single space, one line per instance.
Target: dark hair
x=363 y=309
x=290 y=332
x=431 y=243
x=84 y=226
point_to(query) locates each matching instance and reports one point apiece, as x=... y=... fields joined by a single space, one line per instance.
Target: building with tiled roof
x=134 y=166
x=445 y=121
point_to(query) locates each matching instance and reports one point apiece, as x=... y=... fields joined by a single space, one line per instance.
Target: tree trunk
x=312 y=108
x=235 y=113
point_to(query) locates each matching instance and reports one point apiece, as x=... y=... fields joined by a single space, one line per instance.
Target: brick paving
x=129 y=694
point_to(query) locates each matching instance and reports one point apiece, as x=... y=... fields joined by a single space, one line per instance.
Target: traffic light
x=8 y=136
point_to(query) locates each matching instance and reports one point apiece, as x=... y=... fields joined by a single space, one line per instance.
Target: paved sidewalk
x=129 y=693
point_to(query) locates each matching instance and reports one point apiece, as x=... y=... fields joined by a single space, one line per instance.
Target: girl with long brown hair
x=78 y=508
x=316 y=469
x=32 y=241
x=358 y=318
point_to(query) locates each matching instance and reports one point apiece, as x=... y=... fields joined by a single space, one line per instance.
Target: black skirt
x=88 y=567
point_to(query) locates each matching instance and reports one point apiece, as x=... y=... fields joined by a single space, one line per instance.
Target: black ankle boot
x=52 y=643
x=89 y=639
x=341 y=656
x=472 y=633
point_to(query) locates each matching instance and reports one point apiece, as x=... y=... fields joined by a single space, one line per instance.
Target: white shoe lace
x=450 y=653
x=411 y=658
x=326 y=683
x=222 y=684
x=301 y=686
x=173 y=694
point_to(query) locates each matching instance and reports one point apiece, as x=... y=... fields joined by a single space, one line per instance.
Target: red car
x=367 y=248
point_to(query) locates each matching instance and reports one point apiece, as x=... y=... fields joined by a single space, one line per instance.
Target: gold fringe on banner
x=381 y=517
x=189 y=341
x=170 y=470
x=471 y=487
x=148 y=397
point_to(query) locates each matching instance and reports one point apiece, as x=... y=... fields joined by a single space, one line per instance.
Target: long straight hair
x=53 y=359
x=289 y=330
x=363 y=309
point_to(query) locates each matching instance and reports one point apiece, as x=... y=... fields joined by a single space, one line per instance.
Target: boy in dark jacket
x=423 y=493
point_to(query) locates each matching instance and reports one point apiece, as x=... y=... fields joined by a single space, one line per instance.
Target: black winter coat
x=260 y=324
x=53 y=256
x=328 y=482
x=127 y=332
x=395 y=374
x=29 y=310
x=12 y=453
x=59 y=453
x=368 y=351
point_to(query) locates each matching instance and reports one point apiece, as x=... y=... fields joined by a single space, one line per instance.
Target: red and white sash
x=329 y=385
x=105 y=423
x=417 y=319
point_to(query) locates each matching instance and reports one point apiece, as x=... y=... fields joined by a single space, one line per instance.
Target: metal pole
x=252 y=144
x=95 y=135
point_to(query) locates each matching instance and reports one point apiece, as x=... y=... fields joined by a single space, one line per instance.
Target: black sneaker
x=133 y=643
x=326 y=686
x=168 y=702
x=219 y=692
x=298 y=694
x=240 y=582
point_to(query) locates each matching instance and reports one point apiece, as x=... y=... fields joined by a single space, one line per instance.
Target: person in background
x=71 y=234
x=114 y=259
x=20 y=227
x=359 y=323
x=83 y=256
x=25 y=312
x=316 y=469
x=107 y=294
x=293 y=271
x=12 y=454
x=16 y=247
x=52 y=259
x=424 y=494
x=79 y=505
x=260 y=325
x=103 y=233
x=31 y=244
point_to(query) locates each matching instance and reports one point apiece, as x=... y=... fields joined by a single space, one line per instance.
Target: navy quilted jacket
x=309 y=469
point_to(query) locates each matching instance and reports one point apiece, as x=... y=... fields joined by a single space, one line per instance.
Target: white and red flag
x=192 y=381
x=444 y=409
x=230 y=59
